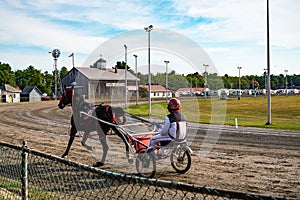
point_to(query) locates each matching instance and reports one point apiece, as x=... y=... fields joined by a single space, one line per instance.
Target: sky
x=224 y=34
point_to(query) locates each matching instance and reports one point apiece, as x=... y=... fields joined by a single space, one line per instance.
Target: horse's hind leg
x=125 y=140
x=83 y=141
x=102 y=138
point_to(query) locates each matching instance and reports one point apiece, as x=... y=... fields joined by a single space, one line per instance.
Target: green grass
x=15 y=188
x=285 y=111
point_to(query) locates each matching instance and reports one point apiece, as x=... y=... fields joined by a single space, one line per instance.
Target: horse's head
x=66 y=98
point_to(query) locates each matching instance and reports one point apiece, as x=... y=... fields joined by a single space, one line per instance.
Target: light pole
x=239 y=68
x=149 y=29
x=136 y=82
x=205 y=80
x=268 y=67
x=286 y=82
x=167 y=62
x=125 y=75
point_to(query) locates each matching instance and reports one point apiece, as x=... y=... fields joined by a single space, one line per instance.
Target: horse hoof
x=98 y=164
x=64 y=155
x=130 y=160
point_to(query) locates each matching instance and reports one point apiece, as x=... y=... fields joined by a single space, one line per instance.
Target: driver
x=174 y=127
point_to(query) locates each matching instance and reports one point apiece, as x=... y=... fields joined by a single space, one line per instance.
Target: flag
x=71 y=55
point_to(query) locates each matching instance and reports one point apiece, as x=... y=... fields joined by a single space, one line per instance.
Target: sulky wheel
x=145 y=164
x=181 y=160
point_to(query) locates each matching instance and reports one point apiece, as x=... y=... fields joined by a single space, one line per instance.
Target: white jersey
x=175 y=130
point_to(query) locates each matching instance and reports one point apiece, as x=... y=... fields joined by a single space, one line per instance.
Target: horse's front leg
x=102 y=139
x=72 y=137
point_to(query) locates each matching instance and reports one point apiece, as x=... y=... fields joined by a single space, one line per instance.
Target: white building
x=9 y=94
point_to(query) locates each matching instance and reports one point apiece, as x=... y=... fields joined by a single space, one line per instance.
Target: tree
x=176 y=81
x=6 y=75
x=48 y=81
x=143 y=78
x=32 y=77
x=196 y=79
x=20 y=78
x=45 y=81
x=214 y=81
x=63 y=72
x=226 y=81
x=253 y=84
x=121 y=65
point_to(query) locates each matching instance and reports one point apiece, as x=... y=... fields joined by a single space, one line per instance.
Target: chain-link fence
x=29 y=174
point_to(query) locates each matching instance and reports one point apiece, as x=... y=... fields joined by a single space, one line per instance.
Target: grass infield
x=252 y=112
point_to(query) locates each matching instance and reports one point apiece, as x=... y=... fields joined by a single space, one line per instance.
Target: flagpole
x=72 y=55
x=73 y=60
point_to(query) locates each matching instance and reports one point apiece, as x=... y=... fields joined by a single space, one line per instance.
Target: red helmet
x=174 y=104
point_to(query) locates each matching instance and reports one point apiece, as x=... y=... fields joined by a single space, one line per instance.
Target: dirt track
x=247 y=160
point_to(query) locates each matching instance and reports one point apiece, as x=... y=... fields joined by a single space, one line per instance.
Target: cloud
x=23 y=30
x=225 y=28
x=238 y=21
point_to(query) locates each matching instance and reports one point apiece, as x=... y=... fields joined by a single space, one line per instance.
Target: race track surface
x=249 y=160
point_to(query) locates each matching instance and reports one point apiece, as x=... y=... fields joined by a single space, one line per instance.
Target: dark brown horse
x=81 y=122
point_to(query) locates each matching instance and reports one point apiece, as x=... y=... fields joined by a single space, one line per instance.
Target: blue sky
x=231 y=32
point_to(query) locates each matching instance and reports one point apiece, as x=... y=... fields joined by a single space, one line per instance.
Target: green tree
x=196 y=79
x=6 y=75
x=176 y=81
x=143 y=78
x=32 y=77
x=121 y=65
x=63 y=72
x=20 y=78
x=48 y=81
x=214 y=82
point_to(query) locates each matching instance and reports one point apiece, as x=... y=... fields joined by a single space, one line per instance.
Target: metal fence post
x=24 y=173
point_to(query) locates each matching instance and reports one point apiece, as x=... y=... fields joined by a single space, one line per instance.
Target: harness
x=106 y=113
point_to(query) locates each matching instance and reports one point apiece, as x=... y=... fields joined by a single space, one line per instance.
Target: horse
x=86 y=124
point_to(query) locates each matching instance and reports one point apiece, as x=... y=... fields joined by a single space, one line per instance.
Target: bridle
x=66 y=98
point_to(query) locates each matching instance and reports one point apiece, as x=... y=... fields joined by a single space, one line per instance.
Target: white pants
x=157 y=138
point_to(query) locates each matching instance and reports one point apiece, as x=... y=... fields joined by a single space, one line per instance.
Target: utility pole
x=268 y=67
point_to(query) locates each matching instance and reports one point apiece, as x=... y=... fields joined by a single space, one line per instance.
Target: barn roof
x=190 y=89
x=28 y=89
x=155 y=88
x=108 y=74
x=9 y=88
